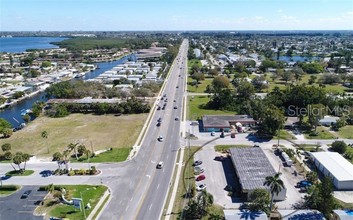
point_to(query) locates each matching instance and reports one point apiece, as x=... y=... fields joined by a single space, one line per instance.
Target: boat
x=25 y=111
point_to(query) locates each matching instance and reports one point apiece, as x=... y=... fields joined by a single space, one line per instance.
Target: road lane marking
x=126 y=208
x=150 y=206
x=149 y=176
x=131 y=199
x=158 y=186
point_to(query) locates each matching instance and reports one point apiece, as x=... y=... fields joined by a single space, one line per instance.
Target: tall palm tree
x=275 y=184
x=45 y=136
x=71 y=147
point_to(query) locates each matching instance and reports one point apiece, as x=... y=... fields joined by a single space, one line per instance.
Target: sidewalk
x=99 y=204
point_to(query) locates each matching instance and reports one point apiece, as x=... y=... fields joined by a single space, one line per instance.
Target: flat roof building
x=334 y=165
x=218 y=122
x=252 y=167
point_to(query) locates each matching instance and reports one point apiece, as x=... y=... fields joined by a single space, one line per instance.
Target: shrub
x=339 y=147
x=71 y=173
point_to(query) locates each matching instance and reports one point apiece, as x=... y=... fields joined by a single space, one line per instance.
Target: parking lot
x=221 y=173
x=16 y=208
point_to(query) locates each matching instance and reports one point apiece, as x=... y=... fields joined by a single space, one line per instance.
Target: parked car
x=199 y=171
x=160 y=165
x=175 y=107
x=176 y=118
x=213 y=133
x=160 y=138
x=201 y=187
x=158 y=124
x=26 y=194
x=159 y=108
x=197 y=163
x=159 y=120
x=201 y=177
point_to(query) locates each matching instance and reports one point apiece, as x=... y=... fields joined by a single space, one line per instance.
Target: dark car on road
x=26 y=194
x=197 y=162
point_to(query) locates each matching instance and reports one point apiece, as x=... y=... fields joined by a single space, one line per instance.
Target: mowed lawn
x=196 y=108
x=346 y=132
x=201 y=87
x=102 y=131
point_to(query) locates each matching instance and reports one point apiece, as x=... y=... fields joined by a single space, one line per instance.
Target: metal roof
x=252 y=167
x=336 y=164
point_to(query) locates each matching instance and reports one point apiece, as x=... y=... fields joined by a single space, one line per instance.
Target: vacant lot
x=196 y=108
x=103 y=131
x=201 y=87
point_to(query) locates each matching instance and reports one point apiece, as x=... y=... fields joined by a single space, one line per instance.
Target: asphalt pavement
x=16 y=208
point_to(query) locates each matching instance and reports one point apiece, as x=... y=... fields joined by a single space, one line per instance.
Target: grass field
x=18 y=173
x=193 y=62
x=195 y=108
x=90 y=194
x=346 y=132
x=116 y=155
x=102 y=132
x=200 y=87
x=283 y=134
x=335 y=88
x=6 y=190
x=221 y=148
x=322 y=134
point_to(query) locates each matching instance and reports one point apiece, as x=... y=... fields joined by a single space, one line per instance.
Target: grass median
x=6 y=190
x=19 y=173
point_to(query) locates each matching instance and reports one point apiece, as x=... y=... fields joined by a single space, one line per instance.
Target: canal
x=13 y=113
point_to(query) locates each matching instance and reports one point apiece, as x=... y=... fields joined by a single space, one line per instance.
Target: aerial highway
x=141 y=190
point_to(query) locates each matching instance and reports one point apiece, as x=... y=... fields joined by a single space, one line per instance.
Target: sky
x=159 y=15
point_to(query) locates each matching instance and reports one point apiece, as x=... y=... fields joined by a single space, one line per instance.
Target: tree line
x=131 y=106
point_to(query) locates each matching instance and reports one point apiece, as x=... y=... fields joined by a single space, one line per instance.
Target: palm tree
x=71 y=147
x=45 y=136
x=25 y=158
x=275 y=184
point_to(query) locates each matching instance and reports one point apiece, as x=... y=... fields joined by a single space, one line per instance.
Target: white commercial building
x=332 y=164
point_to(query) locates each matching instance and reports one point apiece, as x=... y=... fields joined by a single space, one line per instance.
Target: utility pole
x=83 y=206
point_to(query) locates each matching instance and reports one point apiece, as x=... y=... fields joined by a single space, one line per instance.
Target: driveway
x=14 y=208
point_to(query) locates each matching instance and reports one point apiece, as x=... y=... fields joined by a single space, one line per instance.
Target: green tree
x=312 y=177
x=73 y=147
x=245 y=90
x=220 y=82
x=259 y=200
x=6 y=147
x=213 y=72
x=339 y=146
x=7 y=132
x=46 y=64
x=340 y=123
x=4 y=125
x=18 y=159
x=81 y=149
x=321 y=198
x=45 y=135
x=275 y=184
x=271 y=121
x=25 y=158
x=26 y=118
x=8 y=155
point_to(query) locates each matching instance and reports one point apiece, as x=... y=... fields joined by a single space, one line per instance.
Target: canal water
x=13 y=113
